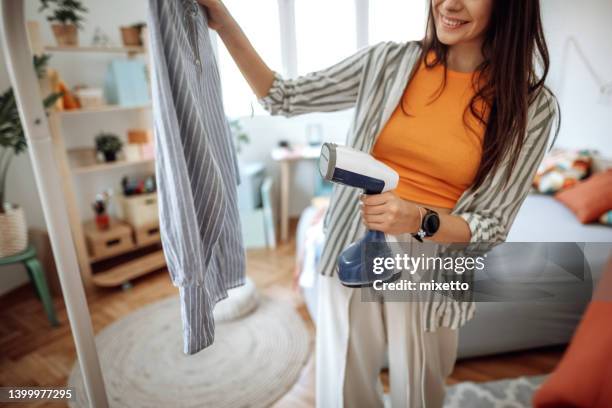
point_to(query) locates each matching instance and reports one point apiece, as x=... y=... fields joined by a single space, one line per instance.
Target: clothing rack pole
x=27 y=94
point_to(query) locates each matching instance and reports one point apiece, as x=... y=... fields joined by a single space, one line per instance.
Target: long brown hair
x=506 y=82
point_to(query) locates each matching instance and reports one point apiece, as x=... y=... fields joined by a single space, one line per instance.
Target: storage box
x=126 y=83
x=140 y=210
x=90 y=98
x=147 y=234
x=147 y=151
x=131 y=152
x=139 y=136
x=106 y=243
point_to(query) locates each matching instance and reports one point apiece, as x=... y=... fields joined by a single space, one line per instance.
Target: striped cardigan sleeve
x=331 y=89
x=490 y=211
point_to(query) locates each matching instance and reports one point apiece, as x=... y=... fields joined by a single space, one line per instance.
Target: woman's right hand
x=219 y=18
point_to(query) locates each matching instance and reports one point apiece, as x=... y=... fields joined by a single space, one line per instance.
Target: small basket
x=91 y=97
x=140 y=210
x=13 y=231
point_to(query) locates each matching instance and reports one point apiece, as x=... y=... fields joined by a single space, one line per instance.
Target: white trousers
x=353 y=339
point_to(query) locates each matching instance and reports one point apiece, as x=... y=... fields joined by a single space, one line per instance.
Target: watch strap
x=423 y=231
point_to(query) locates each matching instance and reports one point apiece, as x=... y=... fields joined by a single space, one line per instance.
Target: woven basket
x=13 y=231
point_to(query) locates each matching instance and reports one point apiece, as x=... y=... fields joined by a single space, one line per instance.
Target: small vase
x=66 y=34
x=110 y=156
x=14 y=236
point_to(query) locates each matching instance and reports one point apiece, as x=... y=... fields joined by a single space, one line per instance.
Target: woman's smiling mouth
x=451 y=23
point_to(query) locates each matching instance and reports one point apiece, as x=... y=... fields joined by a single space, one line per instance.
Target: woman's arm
x=253 y=68
x=491 y=210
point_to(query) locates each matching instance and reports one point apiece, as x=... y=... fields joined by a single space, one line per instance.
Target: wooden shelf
x=110 y=166
x=96 y=49
x=101 y=109
x=83 y=161
x=127 y=271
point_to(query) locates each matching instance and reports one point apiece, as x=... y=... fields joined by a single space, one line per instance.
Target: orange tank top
x=429 y=145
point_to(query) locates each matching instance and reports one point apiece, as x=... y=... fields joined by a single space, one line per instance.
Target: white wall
x=585 y=122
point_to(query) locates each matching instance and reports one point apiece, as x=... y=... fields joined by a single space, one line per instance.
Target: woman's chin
x=449 y=38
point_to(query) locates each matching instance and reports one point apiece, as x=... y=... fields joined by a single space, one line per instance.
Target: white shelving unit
x=76 y=162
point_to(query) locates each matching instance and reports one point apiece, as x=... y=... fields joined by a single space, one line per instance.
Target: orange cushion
x=583 y=377
x=590 y=198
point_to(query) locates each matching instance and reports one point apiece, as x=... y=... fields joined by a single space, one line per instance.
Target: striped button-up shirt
x=195 y=167
x=372 y=82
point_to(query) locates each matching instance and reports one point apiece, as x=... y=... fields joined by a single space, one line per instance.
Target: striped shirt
x=195 y=167
x=372 y=82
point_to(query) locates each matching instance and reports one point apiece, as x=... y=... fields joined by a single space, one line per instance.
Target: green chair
x=37 y=276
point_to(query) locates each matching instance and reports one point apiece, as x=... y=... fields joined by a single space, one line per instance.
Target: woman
x=464 y=118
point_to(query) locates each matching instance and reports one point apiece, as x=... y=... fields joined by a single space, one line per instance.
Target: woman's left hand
x=390 y=214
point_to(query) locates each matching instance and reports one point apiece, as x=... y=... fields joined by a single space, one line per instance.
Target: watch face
x=431 y=223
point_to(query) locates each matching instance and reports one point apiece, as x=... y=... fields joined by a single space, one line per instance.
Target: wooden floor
x=34 y=354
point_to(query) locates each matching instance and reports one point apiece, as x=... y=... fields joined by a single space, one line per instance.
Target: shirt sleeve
x=331 y=89
x=490 y=211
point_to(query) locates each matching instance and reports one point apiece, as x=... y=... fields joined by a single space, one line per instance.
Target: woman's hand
x=219 y=18
x=390 y=214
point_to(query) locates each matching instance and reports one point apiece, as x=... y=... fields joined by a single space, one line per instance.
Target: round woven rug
x=254 y=360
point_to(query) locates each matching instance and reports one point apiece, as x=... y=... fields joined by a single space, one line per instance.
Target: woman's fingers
x=373 y=209
x=218 y=16
x=381 y=217
x=375 y=199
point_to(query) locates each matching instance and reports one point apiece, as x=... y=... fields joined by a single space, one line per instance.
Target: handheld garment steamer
x=350 y=167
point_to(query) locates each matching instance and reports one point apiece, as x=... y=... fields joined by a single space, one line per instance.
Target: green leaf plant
x=12 y=137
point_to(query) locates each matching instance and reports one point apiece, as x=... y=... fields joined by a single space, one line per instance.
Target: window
x=301 y=36
x=259 y=20
x=392 y=20
x=326 y=32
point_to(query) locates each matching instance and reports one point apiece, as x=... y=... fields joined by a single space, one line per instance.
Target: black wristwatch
x=430 y=223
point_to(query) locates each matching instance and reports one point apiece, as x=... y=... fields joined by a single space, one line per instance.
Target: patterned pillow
x=561 y=169
x=606 y=218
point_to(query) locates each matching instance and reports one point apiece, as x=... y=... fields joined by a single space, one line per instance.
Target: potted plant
x=13 y=238
x=109 y=145
x=65 y=17
x=132 y=35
